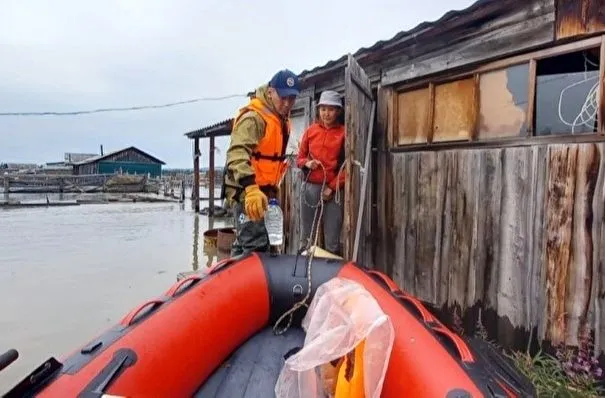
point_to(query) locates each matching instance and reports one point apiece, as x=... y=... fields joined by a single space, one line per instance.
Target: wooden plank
x=358 y=108
x=579 y=17
x=570 y=19
x=502 y=143
x=426 y=226
x=400 y=206
x=211 y=181
x=383 y=184
x=523 y=35
x=196 y=175
x=514 y=268
x=364 y=182
x=531 y=97
x=595 y=16
x=601 y=95
x=454 y=111
x=559 y=222
x=598 y=266
x=536 y=302
x=414 y=116
x=578 y=299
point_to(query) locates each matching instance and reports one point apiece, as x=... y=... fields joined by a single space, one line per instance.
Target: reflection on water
x=68 y=273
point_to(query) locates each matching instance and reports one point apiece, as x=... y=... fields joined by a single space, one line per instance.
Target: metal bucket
x=225 y=239
x=210 y=238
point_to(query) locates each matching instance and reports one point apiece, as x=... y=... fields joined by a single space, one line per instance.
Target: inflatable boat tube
x=207 y=335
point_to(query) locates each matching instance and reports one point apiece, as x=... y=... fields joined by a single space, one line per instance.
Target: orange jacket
x=327 y=146
x=268 y=160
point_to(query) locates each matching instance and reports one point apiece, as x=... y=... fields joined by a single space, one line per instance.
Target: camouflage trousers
x=251 y=236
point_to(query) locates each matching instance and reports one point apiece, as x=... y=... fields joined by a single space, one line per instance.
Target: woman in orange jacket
x=321 y=157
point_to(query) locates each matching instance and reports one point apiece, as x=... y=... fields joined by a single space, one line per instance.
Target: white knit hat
x=329 y=97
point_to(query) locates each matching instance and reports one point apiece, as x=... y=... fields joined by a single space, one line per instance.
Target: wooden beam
x=525 y=34
x=196 y=175
x=211 y=178
x=506 y=142
x=531 y=97
x=601 y=95
x=364 y=181
x=504 y=63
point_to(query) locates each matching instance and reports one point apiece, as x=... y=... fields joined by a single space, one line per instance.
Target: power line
x=125 y=109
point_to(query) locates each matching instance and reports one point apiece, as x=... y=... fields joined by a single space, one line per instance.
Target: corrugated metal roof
x=222 y=128
x=412 y=33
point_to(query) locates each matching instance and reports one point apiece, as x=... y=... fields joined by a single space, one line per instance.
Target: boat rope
x=311 y=243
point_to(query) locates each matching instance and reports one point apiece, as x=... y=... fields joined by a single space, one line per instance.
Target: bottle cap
x=273 y=201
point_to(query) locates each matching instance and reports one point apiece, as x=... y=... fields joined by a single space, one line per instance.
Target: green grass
x=550 y=379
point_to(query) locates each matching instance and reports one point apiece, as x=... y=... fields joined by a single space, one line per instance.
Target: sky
x=70 y=55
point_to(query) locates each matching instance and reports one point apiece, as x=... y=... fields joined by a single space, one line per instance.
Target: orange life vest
x=268 y=160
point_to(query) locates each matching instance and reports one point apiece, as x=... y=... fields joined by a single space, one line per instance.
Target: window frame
x=528 y=138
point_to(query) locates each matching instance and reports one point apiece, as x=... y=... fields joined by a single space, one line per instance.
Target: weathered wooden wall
x=516 y=230
x=579 y=17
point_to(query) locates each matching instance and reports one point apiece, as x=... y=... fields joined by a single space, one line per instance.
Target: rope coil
x=310 y=243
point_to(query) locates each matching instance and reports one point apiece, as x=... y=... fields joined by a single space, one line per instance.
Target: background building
x=130 y=160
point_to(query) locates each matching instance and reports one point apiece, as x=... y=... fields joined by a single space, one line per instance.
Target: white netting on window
x=347 y=347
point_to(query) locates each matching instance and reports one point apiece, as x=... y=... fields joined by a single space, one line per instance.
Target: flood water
x=69 y=273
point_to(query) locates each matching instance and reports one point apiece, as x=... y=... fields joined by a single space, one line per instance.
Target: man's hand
x=312 y=164
x=255 y=203
x=327 y=193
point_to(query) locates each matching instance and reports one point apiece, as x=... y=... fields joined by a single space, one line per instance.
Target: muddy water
x=68 y=273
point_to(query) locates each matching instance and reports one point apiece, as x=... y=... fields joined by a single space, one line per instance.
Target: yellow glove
x=255 y=203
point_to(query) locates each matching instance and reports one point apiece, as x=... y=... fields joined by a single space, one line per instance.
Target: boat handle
x=129 y=319
x=175 y=288
x=217 y=266
x=392 y=285
x=8 y=357
x=465 y=353
x=426 y=314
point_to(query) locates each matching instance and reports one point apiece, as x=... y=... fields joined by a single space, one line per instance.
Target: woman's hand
x=327 y=194
x=312 y=164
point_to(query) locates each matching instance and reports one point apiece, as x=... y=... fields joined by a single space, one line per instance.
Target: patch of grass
x=570 y=373
x=549 y=377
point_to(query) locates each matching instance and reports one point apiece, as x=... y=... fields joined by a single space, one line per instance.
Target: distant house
x=130 y=160
x=71 y=157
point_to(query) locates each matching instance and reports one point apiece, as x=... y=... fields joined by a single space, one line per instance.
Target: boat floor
x=253 y=369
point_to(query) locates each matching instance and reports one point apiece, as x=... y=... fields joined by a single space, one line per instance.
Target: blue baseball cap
x=286 y=83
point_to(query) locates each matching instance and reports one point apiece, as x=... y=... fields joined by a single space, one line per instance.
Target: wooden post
x=196 y=175
x=6 y=188
x=211 y=179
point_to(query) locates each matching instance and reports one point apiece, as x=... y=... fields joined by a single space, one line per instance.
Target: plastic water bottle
x=274 y=223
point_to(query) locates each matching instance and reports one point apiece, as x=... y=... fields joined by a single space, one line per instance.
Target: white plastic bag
x=342 y=316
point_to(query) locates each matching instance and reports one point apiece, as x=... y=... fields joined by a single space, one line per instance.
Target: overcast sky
x=69 y=55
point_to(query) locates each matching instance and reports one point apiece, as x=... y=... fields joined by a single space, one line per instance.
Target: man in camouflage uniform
x=256 y=159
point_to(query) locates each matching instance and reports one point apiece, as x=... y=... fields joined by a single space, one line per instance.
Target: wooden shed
x=485 y=163
x=129 y=160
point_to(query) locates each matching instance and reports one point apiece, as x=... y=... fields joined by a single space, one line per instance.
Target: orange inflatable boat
x=211 y=335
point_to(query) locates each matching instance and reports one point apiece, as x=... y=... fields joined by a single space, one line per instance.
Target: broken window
x=503 y=102
x=455 y=110
x=567 y=93
x=413 y=116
